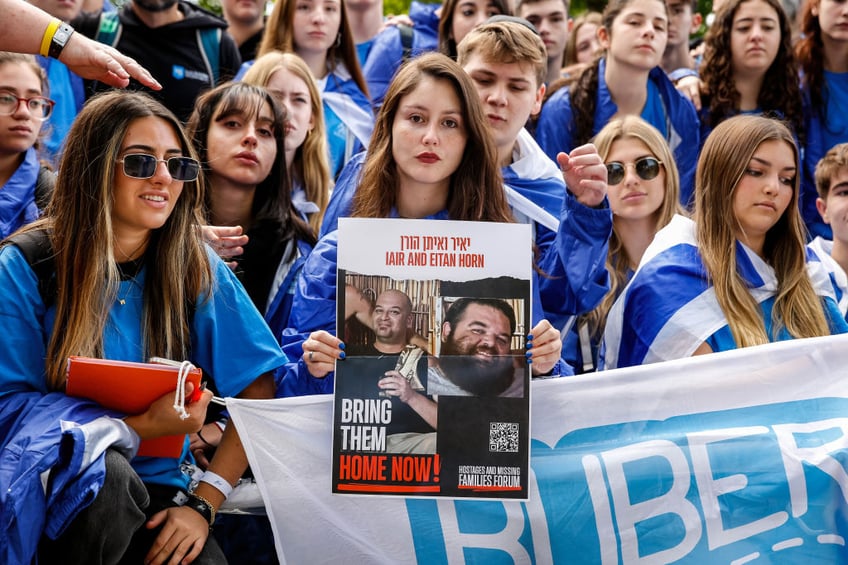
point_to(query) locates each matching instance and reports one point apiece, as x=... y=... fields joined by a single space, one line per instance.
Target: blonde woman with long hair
x=643 y=188
x=738 y=275
x=129 y=279
x=287 y=77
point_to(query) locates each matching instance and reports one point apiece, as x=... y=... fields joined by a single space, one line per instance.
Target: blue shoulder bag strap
x=110 y=28
x=210 y=47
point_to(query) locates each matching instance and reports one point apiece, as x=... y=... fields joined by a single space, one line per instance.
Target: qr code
x=503 y=437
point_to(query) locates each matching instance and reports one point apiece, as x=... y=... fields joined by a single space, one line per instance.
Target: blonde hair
x=724 y=159
x=87 y=278
x=829 y=165
x=618 y=262
x=311 y=163
x=506 y=43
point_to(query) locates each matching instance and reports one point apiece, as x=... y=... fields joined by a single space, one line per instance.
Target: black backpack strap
x=406 y=36
x=44 y=187
x=37 y=249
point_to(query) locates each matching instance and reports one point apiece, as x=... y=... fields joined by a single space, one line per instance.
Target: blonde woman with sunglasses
x=130 y=279
x=643 y=189
x=739 y=274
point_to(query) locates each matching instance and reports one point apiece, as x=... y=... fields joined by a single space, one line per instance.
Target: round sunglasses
x=646 y=167
x=143 y=166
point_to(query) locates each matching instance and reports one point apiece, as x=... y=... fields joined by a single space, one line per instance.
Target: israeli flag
x=669 y=308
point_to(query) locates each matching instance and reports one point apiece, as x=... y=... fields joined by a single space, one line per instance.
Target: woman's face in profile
x=144 y=204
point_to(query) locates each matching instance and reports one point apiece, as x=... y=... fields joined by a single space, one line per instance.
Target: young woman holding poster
x=431 y=145
x=132 y=280
x=746 y=246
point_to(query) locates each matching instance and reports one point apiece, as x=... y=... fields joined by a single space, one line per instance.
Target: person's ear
x=821 y=206
x=537 y=103
x=446 y=330
x=603 y=37
x=409 y=321
x=570 y=25
x=697 y=19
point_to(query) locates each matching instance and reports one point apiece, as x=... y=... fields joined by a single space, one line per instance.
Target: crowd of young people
x=670 y=212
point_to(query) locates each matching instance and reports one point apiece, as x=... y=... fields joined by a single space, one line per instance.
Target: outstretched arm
x=23 y=30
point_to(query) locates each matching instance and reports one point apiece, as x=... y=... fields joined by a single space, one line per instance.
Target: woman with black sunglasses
x=130 y=279
x=643 y=189
x=737 y=275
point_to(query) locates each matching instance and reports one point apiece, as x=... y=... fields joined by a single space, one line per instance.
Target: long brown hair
x=272 y=204
x=476 y=188
x=279 y=36
x=178 y=268
x=724 y=159
x=809 y=51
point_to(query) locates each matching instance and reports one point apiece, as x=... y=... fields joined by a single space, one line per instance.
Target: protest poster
x=432 y=398
x=736 y=457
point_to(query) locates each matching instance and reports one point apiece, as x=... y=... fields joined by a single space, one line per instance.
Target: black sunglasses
x=143 y=166
x=646 y=167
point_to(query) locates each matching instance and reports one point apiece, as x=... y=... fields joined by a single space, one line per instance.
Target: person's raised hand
x=585 y=174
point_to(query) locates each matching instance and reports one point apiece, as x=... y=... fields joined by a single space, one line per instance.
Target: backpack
x=37 y=249
x=406 y=36
x=208 y=38
x=44 y=184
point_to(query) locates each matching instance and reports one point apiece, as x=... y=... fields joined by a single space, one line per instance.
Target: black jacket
x=171 y=53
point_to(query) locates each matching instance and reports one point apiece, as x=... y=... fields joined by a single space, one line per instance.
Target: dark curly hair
x=780 y=95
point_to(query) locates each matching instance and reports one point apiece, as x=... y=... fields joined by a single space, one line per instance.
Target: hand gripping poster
x=433 y=396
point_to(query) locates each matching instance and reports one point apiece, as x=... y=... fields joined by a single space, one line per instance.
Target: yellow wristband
x=48 y=36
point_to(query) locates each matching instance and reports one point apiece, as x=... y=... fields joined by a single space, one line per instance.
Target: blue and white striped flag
x=669 y=308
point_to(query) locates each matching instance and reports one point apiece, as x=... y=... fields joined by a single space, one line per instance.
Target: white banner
x=737 y=457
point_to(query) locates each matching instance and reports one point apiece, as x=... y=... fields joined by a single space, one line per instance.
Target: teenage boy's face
x=510 y=94
x=550 y=17
x=834 y=208
x=680 y=22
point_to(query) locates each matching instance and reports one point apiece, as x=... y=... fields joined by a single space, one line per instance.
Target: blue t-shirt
x=723 y=340
x=835 y=128
x=229 y=340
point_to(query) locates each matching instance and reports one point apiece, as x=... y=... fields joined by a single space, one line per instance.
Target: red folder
x=130 y=388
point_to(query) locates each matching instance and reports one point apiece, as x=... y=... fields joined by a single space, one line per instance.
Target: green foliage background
x=402 y=6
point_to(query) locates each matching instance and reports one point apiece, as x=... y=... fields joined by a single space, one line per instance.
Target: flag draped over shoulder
x=669 y=307
x=734 y=457
x=533 y=183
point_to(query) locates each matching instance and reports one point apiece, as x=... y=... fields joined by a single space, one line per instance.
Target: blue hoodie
x=17 y=196
x=679 y=123
x=386 y=54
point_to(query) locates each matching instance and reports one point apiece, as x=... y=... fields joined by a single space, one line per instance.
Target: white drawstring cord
x=179 y=394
